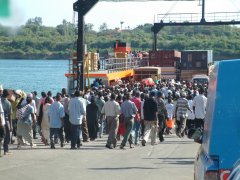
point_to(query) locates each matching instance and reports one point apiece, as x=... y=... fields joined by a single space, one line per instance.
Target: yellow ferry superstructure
x=109 y=70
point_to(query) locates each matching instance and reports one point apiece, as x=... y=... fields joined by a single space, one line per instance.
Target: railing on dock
x=196 y=17
x=120 y=64
x=113 y=64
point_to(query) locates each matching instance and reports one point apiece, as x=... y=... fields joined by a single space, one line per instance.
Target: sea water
x=34 y=75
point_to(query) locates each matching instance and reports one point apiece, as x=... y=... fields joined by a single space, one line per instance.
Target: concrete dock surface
x=172 y=159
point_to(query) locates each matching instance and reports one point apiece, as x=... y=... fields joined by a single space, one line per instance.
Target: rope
x=171 y=8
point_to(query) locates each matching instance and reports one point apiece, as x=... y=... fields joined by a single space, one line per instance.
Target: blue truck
x=220 y=147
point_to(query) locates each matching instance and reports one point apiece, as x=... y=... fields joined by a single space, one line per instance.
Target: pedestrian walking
x=45 y=122
x=67 y=125
x=121 y=126
x=100 y=103
x=137 y=119
x=33 y=104
x=129 y=111
x=26 y=122
x=112 y=111
x=2 y=124
x=191 y=116
x=142 y=125
x=56 y=117
x=199 y=108
x=162 y=115
x=77 y=112
x=17 y=95
x=182 y=107
x=170 y=111
x=7 y=108
x=84 y=120
x=150 y=119
x=92 y=119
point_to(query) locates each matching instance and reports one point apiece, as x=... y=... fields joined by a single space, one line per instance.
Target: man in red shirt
x=136 y=127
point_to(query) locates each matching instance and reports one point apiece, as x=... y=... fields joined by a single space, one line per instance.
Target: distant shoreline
x=19 y=56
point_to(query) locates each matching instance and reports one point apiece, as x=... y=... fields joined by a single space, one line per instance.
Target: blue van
x=220 y=147
x=235 y=173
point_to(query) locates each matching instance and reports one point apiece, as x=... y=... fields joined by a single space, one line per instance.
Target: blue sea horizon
x=33 y=75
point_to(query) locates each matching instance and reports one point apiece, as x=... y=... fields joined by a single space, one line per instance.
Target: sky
x=111 y=13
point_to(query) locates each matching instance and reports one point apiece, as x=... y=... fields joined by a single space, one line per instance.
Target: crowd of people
x=132 y=112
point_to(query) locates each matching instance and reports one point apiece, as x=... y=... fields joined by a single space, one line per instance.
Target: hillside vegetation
x=35 y=41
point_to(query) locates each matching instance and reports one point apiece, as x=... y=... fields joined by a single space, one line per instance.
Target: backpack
x=21 y=112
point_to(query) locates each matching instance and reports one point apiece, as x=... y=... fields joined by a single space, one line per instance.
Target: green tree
x=103 y=27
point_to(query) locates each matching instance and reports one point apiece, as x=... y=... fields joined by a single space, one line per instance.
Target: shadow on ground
x=121 y=168
x=180 y=161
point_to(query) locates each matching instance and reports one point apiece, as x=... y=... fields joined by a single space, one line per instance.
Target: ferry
x=164 y=64
x=110 y=71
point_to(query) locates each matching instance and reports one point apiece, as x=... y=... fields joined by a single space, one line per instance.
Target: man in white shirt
x=199 y=108
x=77 y=112
x=2 y=124
x=112 y=111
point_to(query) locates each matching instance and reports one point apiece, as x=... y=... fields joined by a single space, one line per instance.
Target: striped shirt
x=161 y=108
x=182 y=108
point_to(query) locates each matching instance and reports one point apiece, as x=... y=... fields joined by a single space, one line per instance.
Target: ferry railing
x=120 y=64
x=178 y=17
x=223 y=16
x=113 y=64
x=196 y=17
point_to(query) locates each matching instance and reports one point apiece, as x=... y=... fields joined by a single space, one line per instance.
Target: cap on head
x=1 y=87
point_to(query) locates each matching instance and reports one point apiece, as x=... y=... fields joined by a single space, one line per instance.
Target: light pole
x=121 y=25
x=121 y=22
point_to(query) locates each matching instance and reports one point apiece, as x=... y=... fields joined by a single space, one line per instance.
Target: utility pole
x=203 y=11
x=121 y=22
x=82 y=7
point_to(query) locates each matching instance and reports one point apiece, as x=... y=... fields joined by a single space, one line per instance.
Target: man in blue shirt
x=56 y=116
x=129 y=111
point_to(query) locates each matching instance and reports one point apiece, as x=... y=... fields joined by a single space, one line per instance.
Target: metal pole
x=203 y=11
x=82 y=7
x=80 y=53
